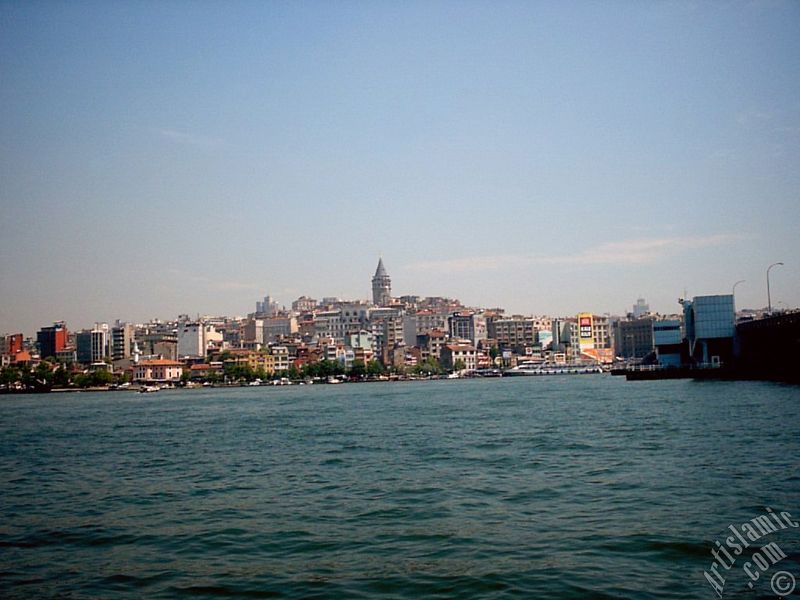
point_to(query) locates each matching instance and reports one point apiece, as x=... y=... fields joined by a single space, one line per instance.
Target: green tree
x=359 y=369
x=82 y=380
x=101 y=377
x=239 y=372
x=459 y=365
x=428 y=366
x=61 y=377
x=43 y=373
x=9 y=376
x=375 y=368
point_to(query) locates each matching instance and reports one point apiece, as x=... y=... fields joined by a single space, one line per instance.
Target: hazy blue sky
x=159 y=158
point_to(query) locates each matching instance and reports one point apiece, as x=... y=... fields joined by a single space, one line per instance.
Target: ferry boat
x=543 y=369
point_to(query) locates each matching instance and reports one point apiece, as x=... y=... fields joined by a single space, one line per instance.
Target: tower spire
x=381 y=285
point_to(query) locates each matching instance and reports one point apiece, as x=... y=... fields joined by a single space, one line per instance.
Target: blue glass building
x=710 y=324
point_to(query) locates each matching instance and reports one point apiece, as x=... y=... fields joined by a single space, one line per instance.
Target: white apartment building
x=195 y=338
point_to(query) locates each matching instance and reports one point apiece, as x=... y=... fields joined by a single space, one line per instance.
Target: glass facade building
x=710 y=324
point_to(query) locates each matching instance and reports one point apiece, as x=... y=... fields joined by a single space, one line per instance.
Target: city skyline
x=549 y=159
x=385 y=298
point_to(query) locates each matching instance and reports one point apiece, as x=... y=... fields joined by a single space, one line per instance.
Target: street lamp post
x=769 y=298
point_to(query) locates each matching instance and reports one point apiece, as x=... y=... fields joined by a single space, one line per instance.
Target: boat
x=541 y=370
x=148 y=389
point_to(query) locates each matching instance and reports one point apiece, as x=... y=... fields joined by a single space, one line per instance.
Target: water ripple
x=556 y=488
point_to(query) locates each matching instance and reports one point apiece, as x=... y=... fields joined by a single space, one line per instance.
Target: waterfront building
x=204 y=370
x=280 y=358
x=157 y=371
x=381 y=286
x=709 y=323
x=668 y=342
x=634 y=339
x=453 y=353
x=274 y=360
x=516 y=333
x=53 y=339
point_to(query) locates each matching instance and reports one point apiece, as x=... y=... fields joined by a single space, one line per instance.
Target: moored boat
x=540 y=369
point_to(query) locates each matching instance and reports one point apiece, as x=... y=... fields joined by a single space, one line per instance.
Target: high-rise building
x=641 y=308
x=195 y=338
x=92 y=344
x=52 y=339
x=267 y=307
x=121 y=340
x=381 y=286
x=11 y=344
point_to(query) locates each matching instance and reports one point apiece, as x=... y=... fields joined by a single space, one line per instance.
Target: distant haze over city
x=190 y=158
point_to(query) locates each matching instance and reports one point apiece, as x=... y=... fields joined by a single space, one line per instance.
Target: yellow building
x=585 y=331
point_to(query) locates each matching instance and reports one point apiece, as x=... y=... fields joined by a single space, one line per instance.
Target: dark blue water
x=573 y=487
